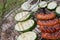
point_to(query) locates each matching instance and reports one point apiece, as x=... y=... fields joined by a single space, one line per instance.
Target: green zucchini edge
x=58 y=15
x=30 y=29
x=51 y=9
x=42 y=7
x=26 y=18
x=36 y=37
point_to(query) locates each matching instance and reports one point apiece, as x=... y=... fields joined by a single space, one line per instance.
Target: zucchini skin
x=51 y=9
x=26 y=19
x=58 y=15
x=42 y=7
x=36 y=38
x=30 y=15
x=30 y=29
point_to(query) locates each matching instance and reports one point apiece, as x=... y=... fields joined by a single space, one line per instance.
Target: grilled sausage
x=48 y=22
x=55 y=35
x=59 y=20
x=46 y=16
x=50 y=29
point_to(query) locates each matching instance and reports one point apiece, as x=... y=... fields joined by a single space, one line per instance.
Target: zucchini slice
x=27 y=36
x=58 y=10
x=42 y=4
x=35 y=9
x=52 y=5
x=22 y=16
x=28 y=25
x=25 y=6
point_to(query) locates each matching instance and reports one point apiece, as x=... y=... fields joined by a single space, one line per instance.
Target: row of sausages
x=49 y=25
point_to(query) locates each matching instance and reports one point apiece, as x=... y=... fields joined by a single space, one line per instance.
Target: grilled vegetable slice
x=27 y=36
x=22 y=16
x=35 y=9
x=52 y=5
x=58 y=10
x=25 y=26
x=25 y=6
x=43 y=4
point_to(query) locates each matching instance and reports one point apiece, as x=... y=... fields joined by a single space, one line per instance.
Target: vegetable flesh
x=27 y=36
x=52 y=5
x=22 y=26
x=43 y=4
x=58 y=10
x=22 y=16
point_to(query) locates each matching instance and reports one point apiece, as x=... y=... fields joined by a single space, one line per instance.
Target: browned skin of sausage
x=48 y=22
x=51 y=29
x=55 y=35
x=46 y=16
x=59 y=20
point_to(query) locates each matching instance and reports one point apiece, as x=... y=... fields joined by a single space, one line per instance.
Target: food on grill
x=42 y=4
x=59 y=20
x=22 y=16
x=55 y=35
x=50 y=29
x=25 y=6
x=35 y=9
x=58 y=10
x=46 y=16
x=52 y=5
x=25 y=26
x=27 y=36
x=47 y=23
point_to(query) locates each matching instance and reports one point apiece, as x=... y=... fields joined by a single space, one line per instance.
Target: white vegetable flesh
x=52 y=5
x=22 y=26
x=27 y=36
x=22 y=16
x=58 y=10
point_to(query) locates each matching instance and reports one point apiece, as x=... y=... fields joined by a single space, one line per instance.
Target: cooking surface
x=7 y=31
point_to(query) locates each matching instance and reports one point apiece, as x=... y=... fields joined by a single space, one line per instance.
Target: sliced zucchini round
x=23 y=16
x=58 y=10
x=35 y=9
x=52 y=5
x=28 y=25
x=27 y=36
x=42 y=4
x=25 y=6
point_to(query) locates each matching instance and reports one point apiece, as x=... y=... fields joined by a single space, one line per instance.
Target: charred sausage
x=55 y=35
x=46 y=16
x=48 y=22
x=50 y=29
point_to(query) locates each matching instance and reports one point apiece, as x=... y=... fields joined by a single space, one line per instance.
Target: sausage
x=47 y=29
x=48 y=22
x=46 y=16
x=59 y=20
x=57 y=27
x=50 y=29
x=55 y=35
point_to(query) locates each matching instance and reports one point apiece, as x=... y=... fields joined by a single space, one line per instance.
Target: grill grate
x=8 y=32
x=8 y=26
